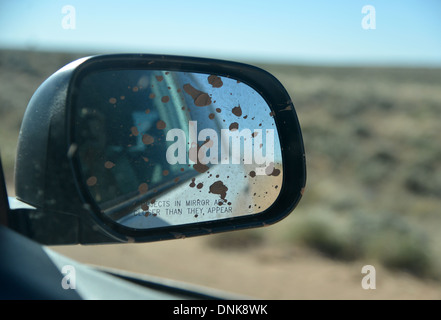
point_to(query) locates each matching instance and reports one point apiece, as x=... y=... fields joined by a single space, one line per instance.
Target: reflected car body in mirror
x=146 y=147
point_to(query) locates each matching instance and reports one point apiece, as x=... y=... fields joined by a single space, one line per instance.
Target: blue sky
x=407 y=32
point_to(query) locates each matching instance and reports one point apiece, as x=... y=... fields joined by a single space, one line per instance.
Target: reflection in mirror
x=161 y=148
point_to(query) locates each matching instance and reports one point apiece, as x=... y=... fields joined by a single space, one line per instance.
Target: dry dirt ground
x=264 y=273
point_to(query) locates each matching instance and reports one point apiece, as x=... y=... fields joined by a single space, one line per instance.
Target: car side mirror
x=138 y=148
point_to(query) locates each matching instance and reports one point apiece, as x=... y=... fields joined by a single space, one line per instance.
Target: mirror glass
x=158 y=148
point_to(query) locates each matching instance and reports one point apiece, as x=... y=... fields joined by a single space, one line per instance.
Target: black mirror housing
x=46 y=173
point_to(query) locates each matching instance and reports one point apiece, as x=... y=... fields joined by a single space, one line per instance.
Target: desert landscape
x=373 y=193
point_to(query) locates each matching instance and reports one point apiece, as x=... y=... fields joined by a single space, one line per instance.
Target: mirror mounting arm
x=45 y=226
